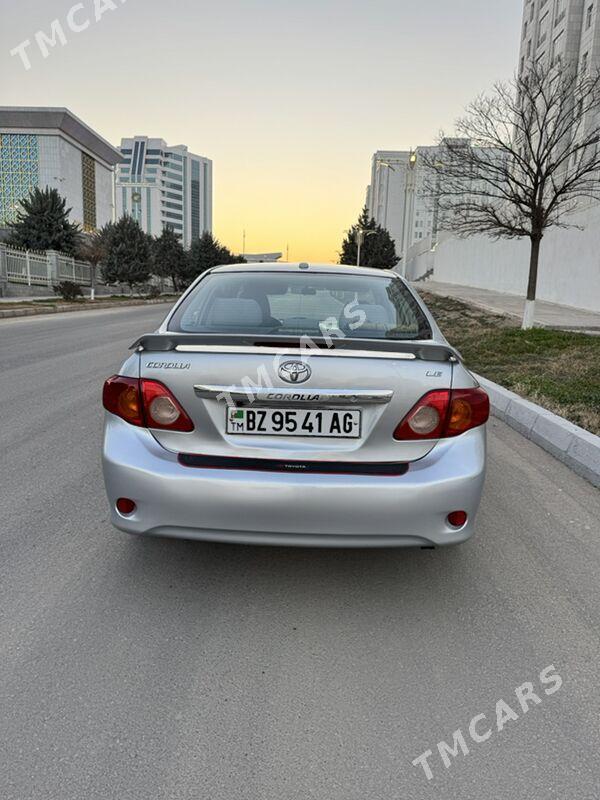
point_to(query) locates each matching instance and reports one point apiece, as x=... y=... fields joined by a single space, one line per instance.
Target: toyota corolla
x=296 y=404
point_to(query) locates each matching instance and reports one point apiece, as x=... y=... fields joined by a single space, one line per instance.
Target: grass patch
x=556 y=369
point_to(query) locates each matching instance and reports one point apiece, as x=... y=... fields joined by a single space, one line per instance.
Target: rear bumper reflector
x=304 y=467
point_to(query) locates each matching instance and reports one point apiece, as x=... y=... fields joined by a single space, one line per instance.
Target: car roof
x=306 y=268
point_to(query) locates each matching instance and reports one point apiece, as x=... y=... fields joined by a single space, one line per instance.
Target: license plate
x=327 y=423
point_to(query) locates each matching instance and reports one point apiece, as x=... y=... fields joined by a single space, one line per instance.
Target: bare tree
x=527 y=153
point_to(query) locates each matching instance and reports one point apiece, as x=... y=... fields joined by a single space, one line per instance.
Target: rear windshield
x=293 y=304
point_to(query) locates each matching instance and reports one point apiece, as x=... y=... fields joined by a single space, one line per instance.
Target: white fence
x=43 y=269
x=27 y=266
x=33 y=268
x=69 y=269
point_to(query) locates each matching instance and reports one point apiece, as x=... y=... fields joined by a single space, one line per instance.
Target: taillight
x=469 y=408
x=145 y=403
x=427 y=419
x=444 y=413
x=162 y=410
x=121 y=396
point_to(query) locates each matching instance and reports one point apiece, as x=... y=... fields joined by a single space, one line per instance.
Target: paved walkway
x=547 y=315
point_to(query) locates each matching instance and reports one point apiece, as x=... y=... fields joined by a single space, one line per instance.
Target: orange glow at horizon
x=284 y=212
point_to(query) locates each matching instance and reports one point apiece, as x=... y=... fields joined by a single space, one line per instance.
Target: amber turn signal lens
x=121 y=396
x=129 y=403
x=461 y=414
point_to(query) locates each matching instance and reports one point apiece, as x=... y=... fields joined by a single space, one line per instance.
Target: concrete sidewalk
x=36 y=298
x=61 y=308
x=547 y=315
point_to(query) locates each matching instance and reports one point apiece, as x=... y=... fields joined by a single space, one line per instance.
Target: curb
x=577 y=448
x=61 y=309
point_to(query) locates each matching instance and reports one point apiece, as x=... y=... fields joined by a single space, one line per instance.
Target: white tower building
x=162 y=186
x=560 y=31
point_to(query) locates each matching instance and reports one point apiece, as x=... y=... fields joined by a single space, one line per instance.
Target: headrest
x=234 y=312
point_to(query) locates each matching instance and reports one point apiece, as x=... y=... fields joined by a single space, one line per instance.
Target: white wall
x=61 y=169
x=72 y=184
x=420 y=259
x=569 y=263
x=482 y=262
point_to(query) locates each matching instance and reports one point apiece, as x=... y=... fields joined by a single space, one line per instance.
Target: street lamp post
x=361 y=234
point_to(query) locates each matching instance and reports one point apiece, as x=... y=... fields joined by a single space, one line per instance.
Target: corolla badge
x=295 y=372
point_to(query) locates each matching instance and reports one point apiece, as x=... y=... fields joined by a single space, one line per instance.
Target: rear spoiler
x=385 y=348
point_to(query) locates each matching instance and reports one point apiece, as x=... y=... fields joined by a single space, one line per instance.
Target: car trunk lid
x=377 y=385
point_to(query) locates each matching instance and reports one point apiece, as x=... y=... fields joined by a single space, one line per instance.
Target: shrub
x=68 y=290
x=153 y=292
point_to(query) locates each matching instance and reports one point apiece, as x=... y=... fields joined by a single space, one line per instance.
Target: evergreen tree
x=206 y=253
x=128 y=253
x=378 y=249
x=169 y=258
x=43 y=223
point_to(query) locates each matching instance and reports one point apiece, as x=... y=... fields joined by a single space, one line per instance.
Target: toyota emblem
x=295 y=372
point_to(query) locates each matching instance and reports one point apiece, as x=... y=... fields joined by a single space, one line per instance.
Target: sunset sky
x=289 y=99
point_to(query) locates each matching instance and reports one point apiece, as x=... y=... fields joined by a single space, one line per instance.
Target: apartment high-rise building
x=390 y=194
x=400 y=197
x=560 y=32
x=404 y=195
x=51 y=147
x=163 y=186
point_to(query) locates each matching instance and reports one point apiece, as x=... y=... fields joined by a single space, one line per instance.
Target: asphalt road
x=135 y=669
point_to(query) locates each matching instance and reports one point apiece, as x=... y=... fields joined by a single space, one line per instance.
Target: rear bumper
x=292 y=509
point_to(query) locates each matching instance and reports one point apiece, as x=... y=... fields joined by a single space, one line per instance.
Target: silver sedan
x=296 y=404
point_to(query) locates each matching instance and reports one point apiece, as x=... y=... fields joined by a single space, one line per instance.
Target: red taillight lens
x=145 y=403
x=121 y=396
x=427 y=419
x=443 y=413
x=162 y=409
